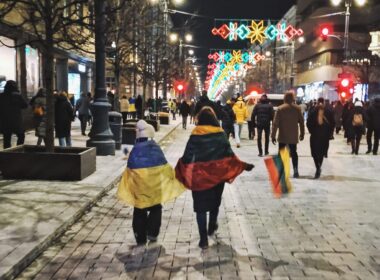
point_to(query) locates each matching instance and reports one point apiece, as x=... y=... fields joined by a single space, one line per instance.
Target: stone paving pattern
x=325 y=229
x=34 y=213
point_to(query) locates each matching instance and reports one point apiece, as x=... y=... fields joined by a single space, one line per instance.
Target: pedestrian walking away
x=203 y=102
x=321 y=124
x=338 y=112
x=192 y=112
x=373 y=116
x=124 y=107
x=262 y=117
x=208 y=146
x=11 y=105
x=241 y=115
x=147 y=183
x=355 y=125
x=228 y=119
x=251 y=125
x=184 y=110
x=290 y=124
x=64 y=115
x=83 y=108
x=38 y=103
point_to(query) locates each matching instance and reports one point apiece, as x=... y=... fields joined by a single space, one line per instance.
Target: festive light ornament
x=257 y=32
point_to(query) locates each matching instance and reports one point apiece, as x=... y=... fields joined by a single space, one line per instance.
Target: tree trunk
x=48 y=75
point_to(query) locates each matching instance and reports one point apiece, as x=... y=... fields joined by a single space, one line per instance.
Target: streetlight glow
x=173 y=37
x=178 y=2
x=268 y=53
x=154 y=1
x=360 y=2
x=336 y=2
x=188 y=38
x=191 y=52
x=301 y=40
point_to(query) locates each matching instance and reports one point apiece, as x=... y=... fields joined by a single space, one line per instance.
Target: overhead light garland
x=257 y=32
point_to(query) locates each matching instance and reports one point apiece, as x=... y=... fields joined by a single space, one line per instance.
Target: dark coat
x=139 y=104
x=320 y=135
x=262 y=114
x=208 y=200
x=39 y=100
x=11 y=105
x=228 y=116
x=203 y=102
x=184 y=109
x=63 y=117
x=338 y=112
x=352 y=131
x=373 y=115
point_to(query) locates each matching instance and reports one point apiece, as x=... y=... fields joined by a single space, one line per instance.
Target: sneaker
x=203 y=244
x=212 y=229
x=260 y=154
x=266 y=153
x=296 y=175
x=237 y=145
x=368 y=152
x=375 y=153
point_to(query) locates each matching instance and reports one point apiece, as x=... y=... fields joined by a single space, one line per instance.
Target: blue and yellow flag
x=148 y=179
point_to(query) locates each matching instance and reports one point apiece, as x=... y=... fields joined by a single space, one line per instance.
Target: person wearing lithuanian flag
x=208 y=162
x=148 y=181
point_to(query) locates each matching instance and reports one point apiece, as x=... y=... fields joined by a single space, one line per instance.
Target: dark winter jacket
x=11 y=105
x=83 y=105
x=351 y=131
x=320 y=134
x=338 y=112
x=262 y=114
x=63 y=117
x=184 y=109
x=228 y=116
x=373 y=115
x=203 y=102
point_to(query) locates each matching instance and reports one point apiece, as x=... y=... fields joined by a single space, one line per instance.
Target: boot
x=318 y=173
x=295 y=174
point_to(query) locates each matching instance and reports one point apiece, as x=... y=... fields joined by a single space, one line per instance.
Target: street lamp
x=191 y=52
x=188 y=38
x=348 y=4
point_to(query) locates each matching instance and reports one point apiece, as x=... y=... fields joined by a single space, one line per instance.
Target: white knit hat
x=144 y=130
x=358 y=104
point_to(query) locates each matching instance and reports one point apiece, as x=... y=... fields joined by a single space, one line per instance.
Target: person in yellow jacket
x=240 y=110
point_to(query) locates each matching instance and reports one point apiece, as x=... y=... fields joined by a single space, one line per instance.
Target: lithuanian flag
x=148 y=179
x=278 y=167
x=208 y=160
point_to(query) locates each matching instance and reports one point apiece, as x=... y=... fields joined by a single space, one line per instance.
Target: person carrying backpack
x=355 y=126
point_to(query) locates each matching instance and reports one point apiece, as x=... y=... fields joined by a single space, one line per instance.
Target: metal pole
x=180 y=56
x=165 y=59
x=100 y=135
x=346 y=30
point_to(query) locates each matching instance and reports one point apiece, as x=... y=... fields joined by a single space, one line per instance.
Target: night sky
x=226 y=9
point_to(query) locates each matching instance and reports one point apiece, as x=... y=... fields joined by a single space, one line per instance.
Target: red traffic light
x=325 y=31
x=180 y=86
x=345 y=85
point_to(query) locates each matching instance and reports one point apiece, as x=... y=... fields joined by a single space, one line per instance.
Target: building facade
x=320 y=62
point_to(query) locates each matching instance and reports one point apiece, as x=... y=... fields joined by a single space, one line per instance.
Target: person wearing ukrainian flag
x=208 y=162
x=148 y=182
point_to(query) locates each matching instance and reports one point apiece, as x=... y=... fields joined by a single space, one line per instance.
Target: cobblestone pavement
x=325 y=229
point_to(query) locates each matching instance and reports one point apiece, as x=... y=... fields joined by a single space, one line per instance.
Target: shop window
x=32 y=70
x=8 y=61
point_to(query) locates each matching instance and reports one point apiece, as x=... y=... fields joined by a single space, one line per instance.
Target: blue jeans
x=65 y=141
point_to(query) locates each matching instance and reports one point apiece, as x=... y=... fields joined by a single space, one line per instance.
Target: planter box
x=164 y=120
x=154 y=123
x=33 y=163
x=128 y=134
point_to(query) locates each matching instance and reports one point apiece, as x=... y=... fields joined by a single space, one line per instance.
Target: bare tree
x=50 y=24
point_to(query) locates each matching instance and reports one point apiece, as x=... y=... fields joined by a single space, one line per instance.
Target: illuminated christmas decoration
x=233 y=28
x=236 y=57
x=257 y=32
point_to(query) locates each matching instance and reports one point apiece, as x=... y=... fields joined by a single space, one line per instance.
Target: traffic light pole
x=346 y=30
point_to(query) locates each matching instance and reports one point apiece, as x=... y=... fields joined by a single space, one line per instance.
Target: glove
x=249 y=167
x=274 y=141
x=301 y=138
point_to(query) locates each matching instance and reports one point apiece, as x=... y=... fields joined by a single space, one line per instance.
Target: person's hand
x=301 y=138
x=274 y=142
x=249 y=167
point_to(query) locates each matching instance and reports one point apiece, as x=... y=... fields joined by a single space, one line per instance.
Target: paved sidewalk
x=325 y=229
x=34 y=213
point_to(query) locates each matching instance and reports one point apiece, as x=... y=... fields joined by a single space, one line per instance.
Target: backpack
x=357 y=120
x=38 y=111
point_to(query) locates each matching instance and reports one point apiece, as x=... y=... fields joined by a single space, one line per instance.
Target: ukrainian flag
x=148 y=179
x=278 y=167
